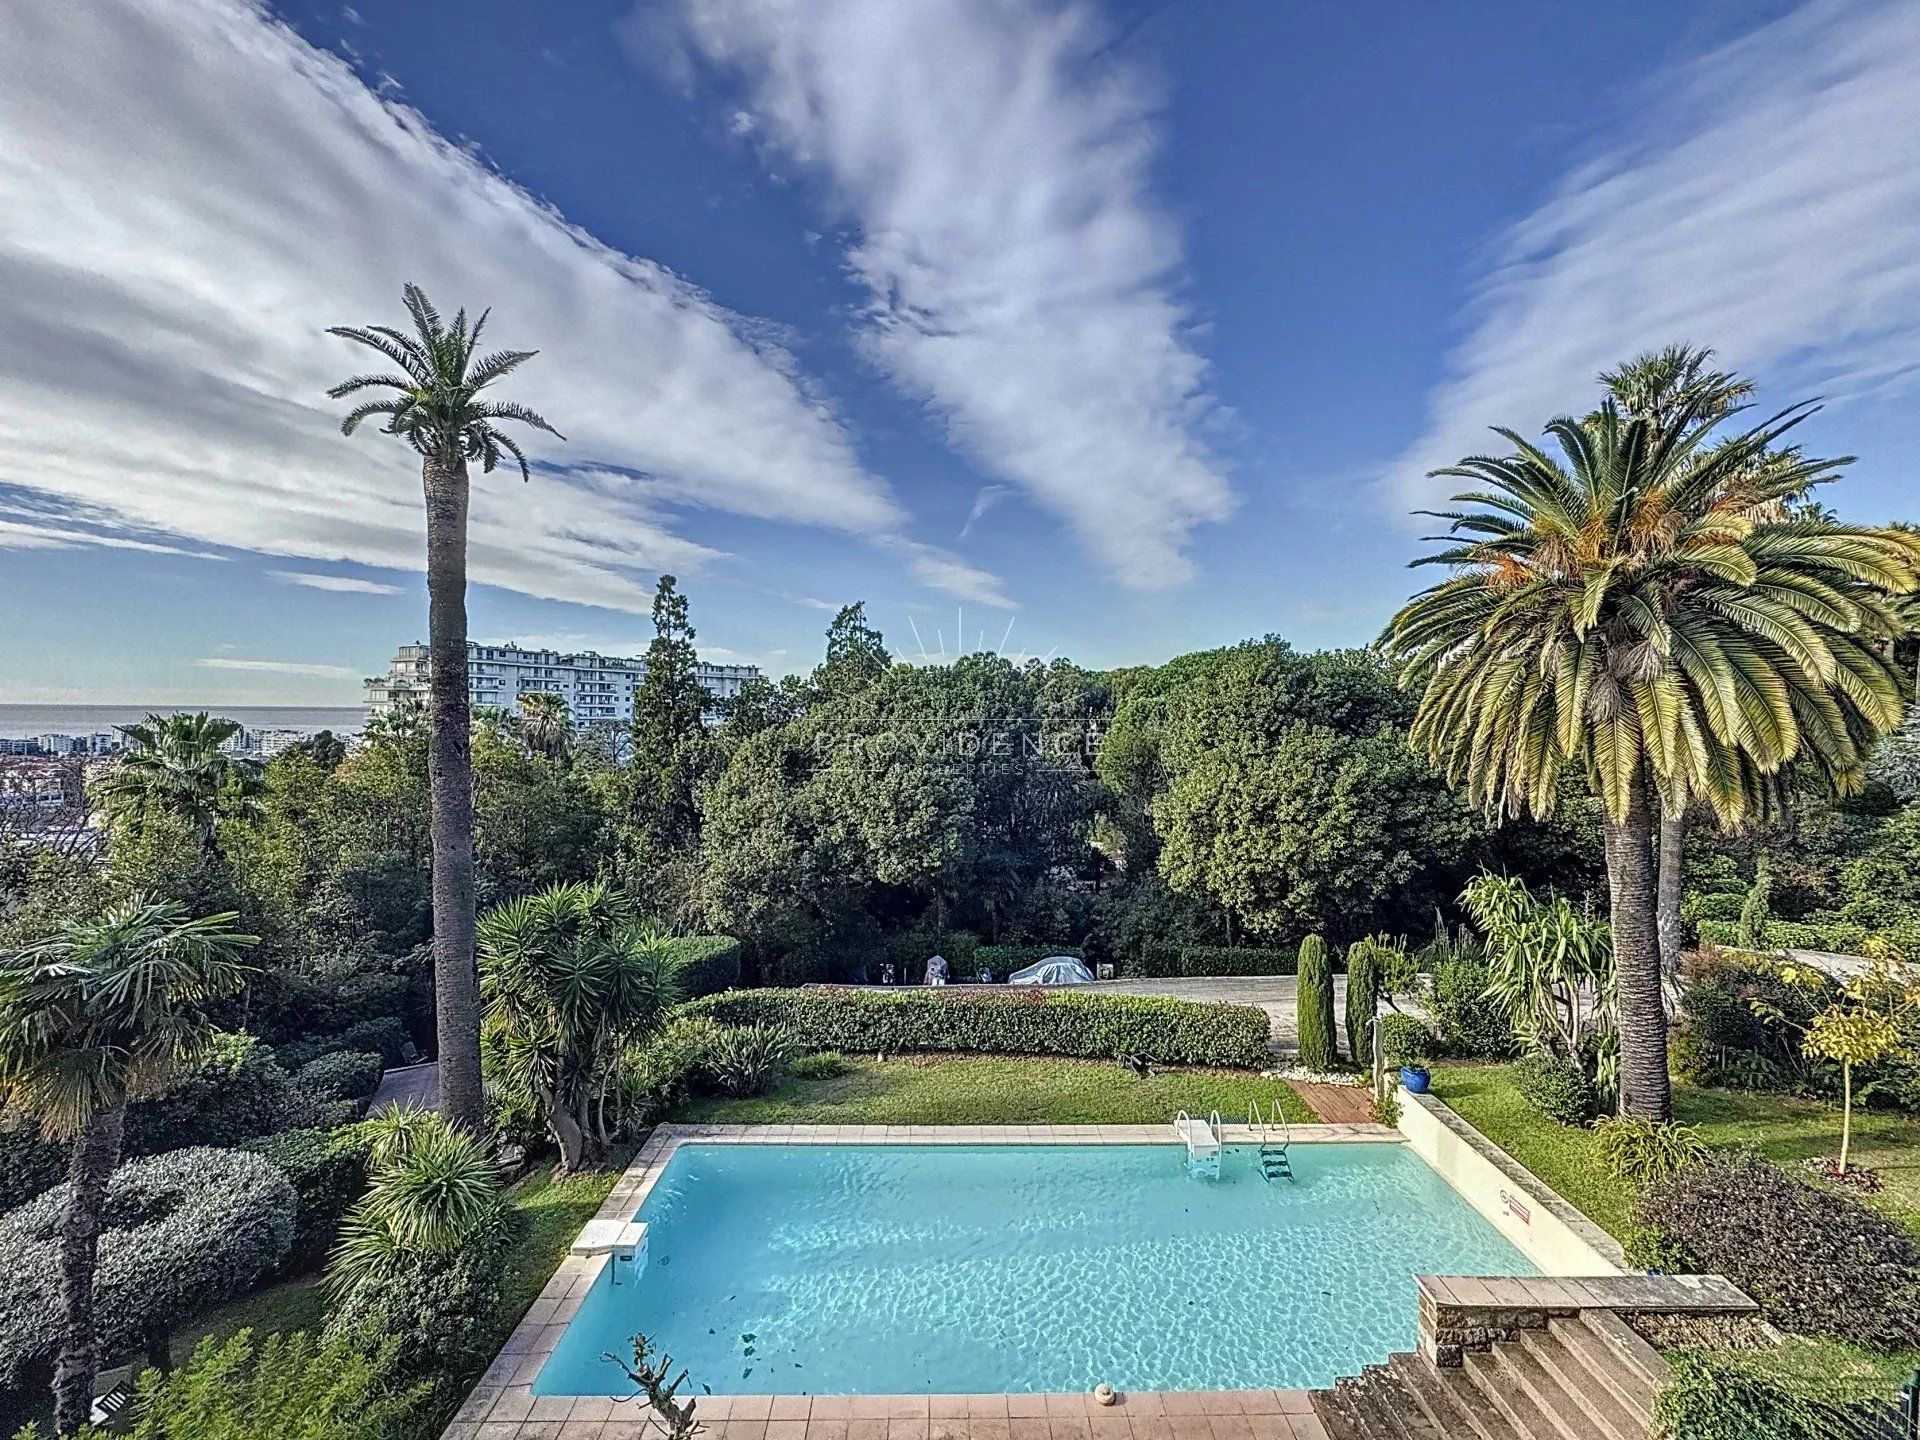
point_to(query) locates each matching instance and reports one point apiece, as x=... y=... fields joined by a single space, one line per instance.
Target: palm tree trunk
x=450 y=770
x=96 y=1151
x=1673 y=848
x=1645 y=1091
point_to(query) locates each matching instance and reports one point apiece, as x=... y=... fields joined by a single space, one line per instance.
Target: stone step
x=1567 y=1411
x=1488 y=1371
x=1604 y=1370
x=1451 y=1402
x=1334 y=1410
x=1625 y=1347
x=1407 y=1421
x=1615 y=1417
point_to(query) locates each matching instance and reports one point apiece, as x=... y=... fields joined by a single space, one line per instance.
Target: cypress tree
x=1319 y=1050
x=1363 y=999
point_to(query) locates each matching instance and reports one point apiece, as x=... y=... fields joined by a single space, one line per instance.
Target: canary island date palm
x=174 y=766
x=438 y=406
x=106 y=1009
x=1630 y=608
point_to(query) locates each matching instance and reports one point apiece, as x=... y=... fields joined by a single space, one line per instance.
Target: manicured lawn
x=297 y=1304
x=979 y=1090
x=1784 y=1129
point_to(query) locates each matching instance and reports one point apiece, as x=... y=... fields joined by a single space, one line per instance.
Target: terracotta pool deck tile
x=1141 y=1403
x=511 y=1406
x=791 y=1407
x=1065 y=1407
x=1178 y=1403
x=990 y=1428
x=826 y=1430
x=751 y=1407
x=868 y=1407
x=946 y=1407
x=1231 y=1427
x=986 y=1407
x=496 y=1430
x=1271 y=1426
x=539 y=1430
x=949 y=1427
x=831 y=1407
x=1221 y=1402
x=1109 y=1424
x=1028 y=1427
x=1307 y=1427
x=864 y=1428
x=1295 y=1402
x=1027 y=1407
x=1151 y=1427
x=713 y=1407
x=624 y=1430
x=591 y=1407
x=787 y=1429
x=1069 y=1427
x=583 y=1430
x=907 y=1428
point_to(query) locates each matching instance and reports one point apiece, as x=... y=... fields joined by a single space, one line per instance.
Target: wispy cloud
x=19 y=534
x=282 y=667
x=995 y=164
x=1766 y=203
x=988 y=497
x=168 y=264
x=344 y=584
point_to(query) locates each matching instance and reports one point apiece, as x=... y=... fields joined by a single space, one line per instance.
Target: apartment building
x=598 y=688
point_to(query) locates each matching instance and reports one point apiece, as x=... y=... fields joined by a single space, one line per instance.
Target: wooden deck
x=1337 y=1104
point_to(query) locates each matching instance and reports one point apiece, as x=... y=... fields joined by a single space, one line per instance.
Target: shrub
x=29 y=1165
x=292 y=1385
x=439 y=1312
x=1819 y=1264
x=821 y=1065
x=1404 y=1041
x=1645 y=1152
x=658 y=1074
x=1363 y=999
x=343 y=1075
x=749 y=1059
x=1559 y=1089
x=383 y=1034
x=181 y=1231
x=1235 y=960
x=1028 y=1022
x=1318 y=1050
x=1646 y=1247
x=1003 y=960
x=328 y=1172
x=236 y=1091
x=1793 y=1392
x=703 y=965
x=1471 y=1025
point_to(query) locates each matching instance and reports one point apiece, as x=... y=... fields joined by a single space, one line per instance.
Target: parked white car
x=1054 y=970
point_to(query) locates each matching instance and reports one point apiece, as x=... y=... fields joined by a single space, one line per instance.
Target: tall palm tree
x=1625 y=607
x=104 y=1010
x=438 y=409
x=174 y=767
x=546 y=724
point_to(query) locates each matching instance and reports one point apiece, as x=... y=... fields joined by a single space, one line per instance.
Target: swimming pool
x=960 y=1269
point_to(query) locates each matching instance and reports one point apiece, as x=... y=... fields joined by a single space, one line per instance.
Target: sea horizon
x=26 y=721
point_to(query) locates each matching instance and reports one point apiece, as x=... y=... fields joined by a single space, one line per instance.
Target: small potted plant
x=1403 y=1043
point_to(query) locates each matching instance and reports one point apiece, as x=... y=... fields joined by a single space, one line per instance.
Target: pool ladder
x=1202 y=1138
x=1274 y=1135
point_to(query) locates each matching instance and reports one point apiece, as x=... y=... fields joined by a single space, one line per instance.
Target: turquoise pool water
x=897 y=1269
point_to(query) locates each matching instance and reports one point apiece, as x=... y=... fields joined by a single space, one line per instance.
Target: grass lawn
x=981 y=1090
x=1784 y=1129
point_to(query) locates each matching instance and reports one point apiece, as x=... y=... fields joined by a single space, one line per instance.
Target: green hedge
x=1036 y=1022
x=1169 y=962
x=1003 y=960
x=704 y=965
x=1841 y=937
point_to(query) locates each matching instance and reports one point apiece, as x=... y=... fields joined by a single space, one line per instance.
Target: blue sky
x=1134 y=324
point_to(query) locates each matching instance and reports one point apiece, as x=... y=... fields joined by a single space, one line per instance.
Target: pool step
x=1585 y=1377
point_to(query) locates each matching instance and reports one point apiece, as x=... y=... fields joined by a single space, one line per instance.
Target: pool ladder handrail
x=1275 y=1164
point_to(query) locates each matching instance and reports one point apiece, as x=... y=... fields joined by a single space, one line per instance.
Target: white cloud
x=16 y=534
x=343 y=584
x=169 y=260
x=943 y=570
x=1766 y=204
x=1023 y=281
x=282 y=667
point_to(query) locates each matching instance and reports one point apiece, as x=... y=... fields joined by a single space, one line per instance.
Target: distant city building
x=262 y=744
x=100 y=742
x=598 y=688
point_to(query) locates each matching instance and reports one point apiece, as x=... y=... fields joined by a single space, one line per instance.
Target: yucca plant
x=571 y=976
x=1639 y=607
x=438 y=407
